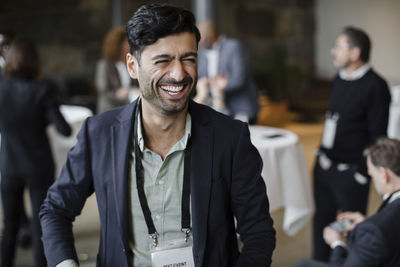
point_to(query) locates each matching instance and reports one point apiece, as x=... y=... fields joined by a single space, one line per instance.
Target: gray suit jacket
x=241 y=95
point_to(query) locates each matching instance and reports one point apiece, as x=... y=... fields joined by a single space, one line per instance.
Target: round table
x=393 y=130
x=286 y=175
x=75 y=116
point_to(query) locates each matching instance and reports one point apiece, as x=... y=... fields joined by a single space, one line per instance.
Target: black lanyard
x=185 y=209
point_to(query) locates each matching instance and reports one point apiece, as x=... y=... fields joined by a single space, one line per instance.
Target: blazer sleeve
x=367 y=248
x=65 y=200
x=250 y=205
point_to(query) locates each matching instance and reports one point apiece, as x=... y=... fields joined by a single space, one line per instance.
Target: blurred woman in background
x=27 y=106
x=112 y=79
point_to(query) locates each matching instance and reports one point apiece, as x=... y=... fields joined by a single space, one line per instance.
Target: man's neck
x=353 y=67
x=161 y=131
x=393 y=188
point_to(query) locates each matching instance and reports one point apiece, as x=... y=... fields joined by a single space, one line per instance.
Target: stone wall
x=279 y=35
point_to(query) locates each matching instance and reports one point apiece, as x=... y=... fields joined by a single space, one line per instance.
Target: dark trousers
x=334 y=191
x=12 y=190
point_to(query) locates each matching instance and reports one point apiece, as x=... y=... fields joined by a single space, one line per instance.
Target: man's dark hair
x=152 y=22
x=359 y=38
x=385 y=153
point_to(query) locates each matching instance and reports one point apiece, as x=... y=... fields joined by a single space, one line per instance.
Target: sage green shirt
x=163 y=181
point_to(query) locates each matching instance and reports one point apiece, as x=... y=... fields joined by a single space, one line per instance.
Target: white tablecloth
x=285 y=174
x=394 y=121
x=74 y=115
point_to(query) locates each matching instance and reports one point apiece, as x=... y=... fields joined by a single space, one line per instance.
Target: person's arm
x=217 y=85
x=367 y=248
x=201 y=91
x=53 y=110
x=238 y=68
x=65 y=200
x=333 y=238
x=378 y=111
x=250 y=204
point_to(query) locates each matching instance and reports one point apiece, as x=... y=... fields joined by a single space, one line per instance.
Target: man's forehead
x=179 y=43
x=343 y=38
x=343 y=41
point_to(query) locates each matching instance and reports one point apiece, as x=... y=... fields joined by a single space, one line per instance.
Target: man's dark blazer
x=225 y=182
x=26 y=107
x=374 y=242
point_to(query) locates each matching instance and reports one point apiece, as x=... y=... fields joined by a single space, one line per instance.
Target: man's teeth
x=173 y=90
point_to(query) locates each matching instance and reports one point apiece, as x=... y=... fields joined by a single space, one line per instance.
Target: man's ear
x=385 y=174
x=132 y=65
x=355 y=53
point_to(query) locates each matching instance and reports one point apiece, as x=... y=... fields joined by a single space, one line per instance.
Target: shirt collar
x=392 y=196
x=181 y=143
x=355 y=75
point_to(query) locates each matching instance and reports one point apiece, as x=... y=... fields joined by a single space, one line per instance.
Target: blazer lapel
x=201 y=173
x=121 y=143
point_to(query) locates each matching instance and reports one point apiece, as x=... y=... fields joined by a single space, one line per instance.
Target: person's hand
x=201 y=90
x=122 y=93
x=218 y=83
x=354 y=217
x=331 y=236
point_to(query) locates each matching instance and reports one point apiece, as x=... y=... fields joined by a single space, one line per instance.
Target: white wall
x=379 y=18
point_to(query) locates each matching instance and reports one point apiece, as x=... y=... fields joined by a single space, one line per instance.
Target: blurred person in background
x=24 y=233
x=357 y=115
x=112 y=79
x=5 y=39
x=225 y=81
x=27 y=106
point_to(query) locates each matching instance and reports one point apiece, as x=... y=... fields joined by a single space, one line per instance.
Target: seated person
x=373 y=241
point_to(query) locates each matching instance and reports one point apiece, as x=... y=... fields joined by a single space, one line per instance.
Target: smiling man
x=170 y=176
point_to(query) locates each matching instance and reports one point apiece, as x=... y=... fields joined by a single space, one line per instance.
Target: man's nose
x=177 y=71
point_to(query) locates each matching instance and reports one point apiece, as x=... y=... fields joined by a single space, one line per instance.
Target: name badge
x=328 y=136
x=175 y=253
